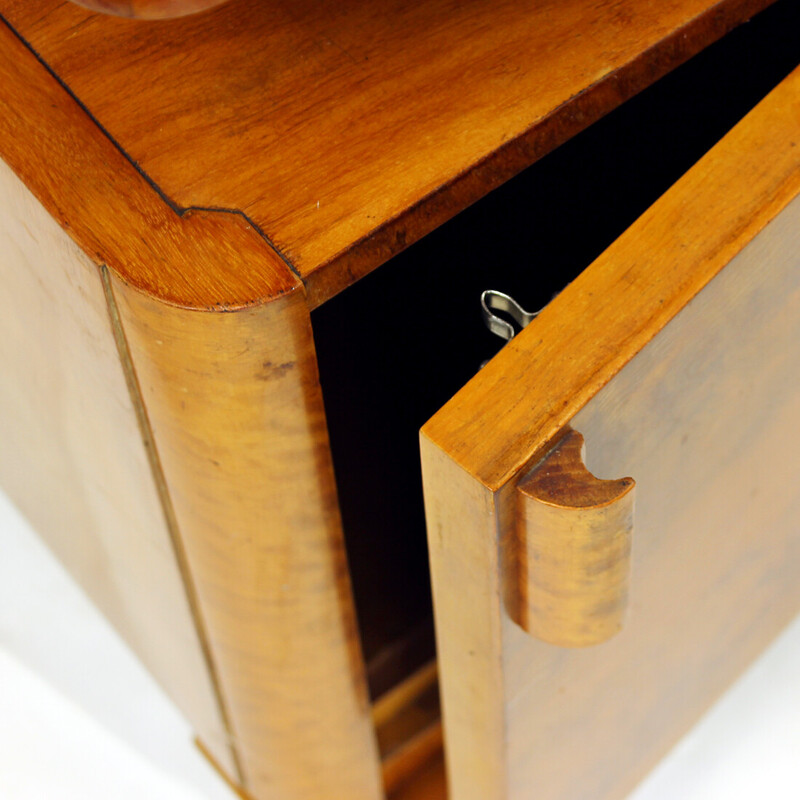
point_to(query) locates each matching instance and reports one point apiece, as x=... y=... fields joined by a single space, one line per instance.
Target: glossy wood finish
x=619 y=303
x=74 y=459
x=676 y=354
x=256 y=98
x=149 y=9
x=573 y=549
x=237 y=422
x=109 y=209
x=347 y=131
x=236 y=411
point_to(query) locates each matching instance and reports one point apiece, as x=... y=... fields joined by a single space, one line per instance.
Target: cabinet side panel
x=707 y=420
x=236 y=411
x=72 y=455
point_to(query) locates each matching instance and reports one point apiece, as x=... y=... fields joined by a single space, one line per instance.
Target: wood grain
x=236 y=410
x=463 y=541
x=347 y=131
x=234 y=403
x=619 y=303
x=73 y=459
x=573 y=549
x=706 y=416
x=110 y=210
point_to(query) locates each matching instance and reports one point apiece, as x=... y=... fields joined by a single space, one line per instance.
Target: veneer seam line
x=170 y=519
x=179 y=210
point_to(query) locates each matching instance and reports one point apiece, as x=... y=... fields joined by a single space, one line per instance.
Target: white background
x=80 y=720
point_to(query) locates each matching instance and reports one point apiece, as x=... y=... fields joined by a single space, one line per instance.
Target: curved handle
x=574 y=543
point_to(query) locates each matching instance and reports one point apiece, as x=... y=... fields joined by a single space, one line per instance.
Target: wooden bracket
x=574 y=542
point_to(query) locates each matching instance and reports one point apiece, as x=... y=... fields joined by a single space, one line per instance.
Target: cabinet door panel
x=677 y=356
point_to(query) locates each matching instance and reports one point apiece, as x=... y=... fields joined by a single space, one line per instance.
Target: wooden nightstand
x=209 y=405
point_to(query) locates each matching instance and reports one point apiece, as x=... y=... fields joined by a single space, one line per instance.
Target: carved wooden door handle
x=573 y=545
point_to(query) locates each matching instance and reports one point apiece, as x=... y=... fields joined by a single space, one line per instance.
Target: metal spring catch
x=497 y=301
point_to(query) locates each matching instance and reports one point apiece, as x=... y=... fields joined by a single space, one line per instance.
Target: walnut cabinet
x=241 y=259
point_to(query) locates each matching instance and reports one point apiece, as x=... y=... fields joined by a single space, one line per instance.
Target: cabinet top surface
x=346 y=130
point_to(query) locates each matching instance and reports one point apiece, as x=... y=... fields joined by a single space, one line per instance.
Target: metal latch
x=492 y=301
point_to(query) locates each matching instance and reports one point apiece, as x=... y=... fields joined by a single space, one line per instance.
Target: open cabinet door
x=584 y=623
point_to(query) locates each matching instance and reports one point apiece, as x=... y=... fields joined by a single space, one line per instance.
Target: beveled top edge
x=202 y=259
x=346 y=134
